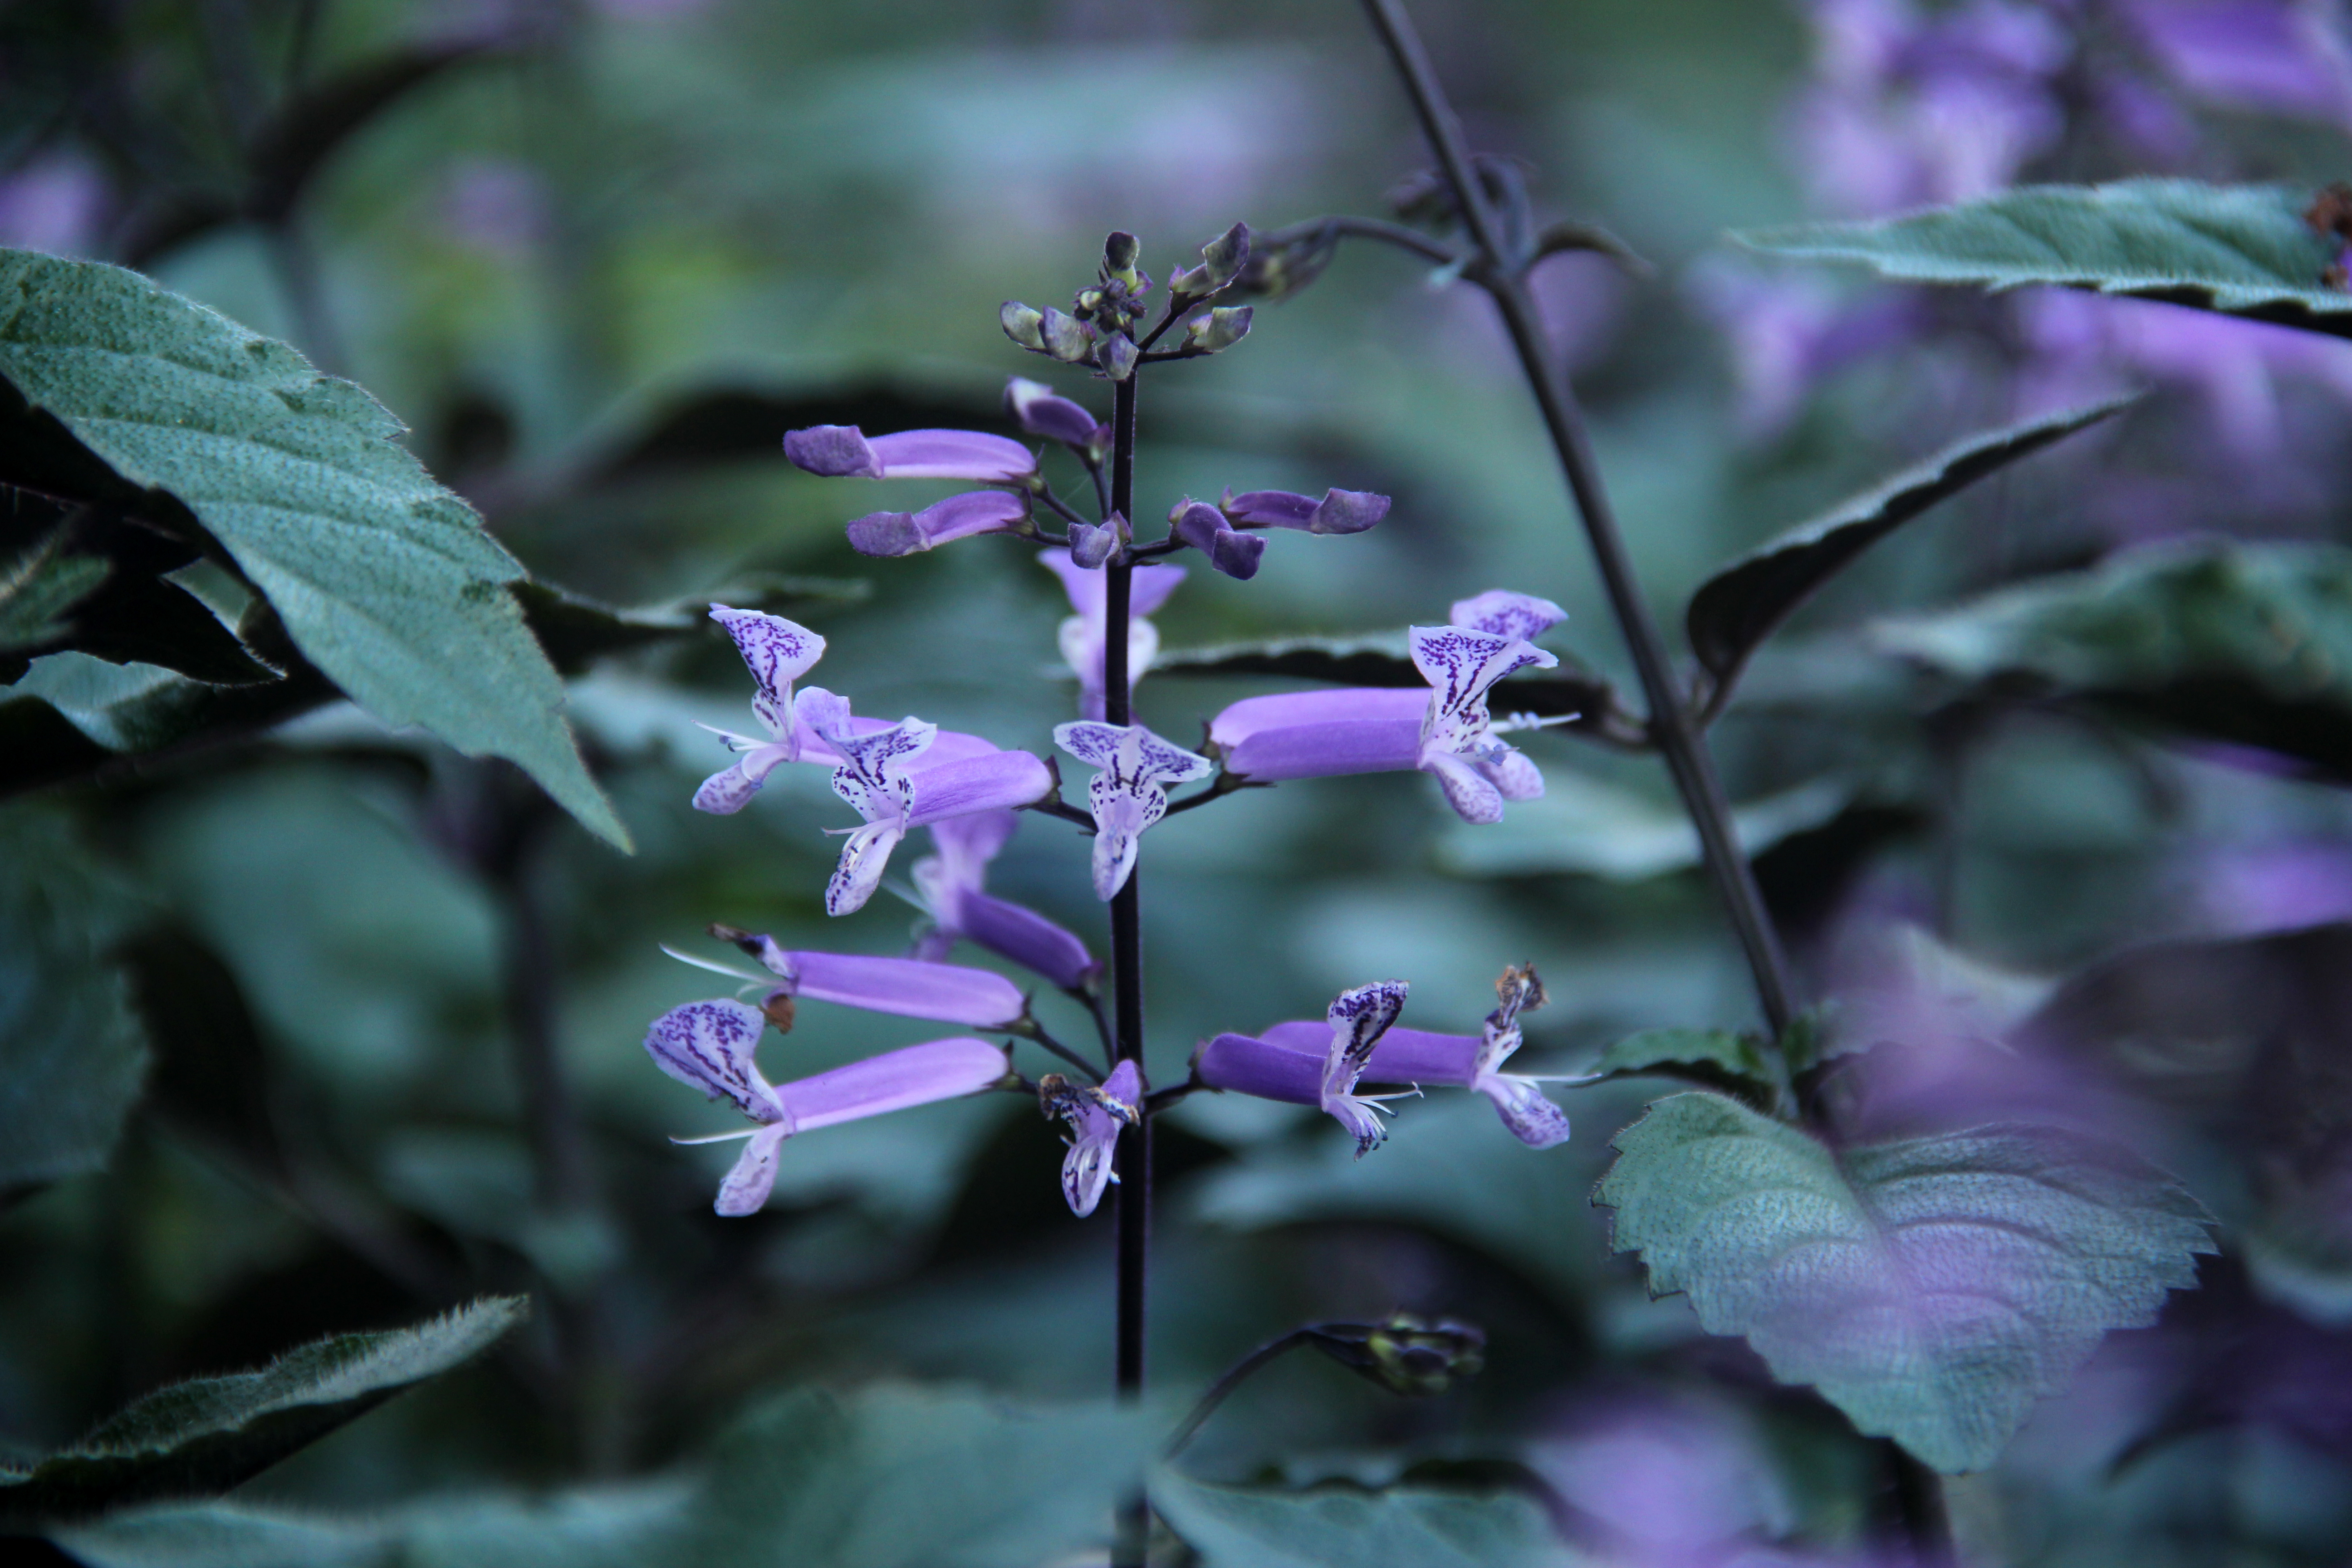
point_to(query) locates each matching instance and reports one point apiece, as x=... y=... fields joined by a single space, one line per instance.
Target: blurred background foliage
x=600 y=256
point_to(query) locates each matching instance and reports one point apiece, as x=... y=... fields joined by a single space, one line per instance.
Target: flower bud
x=1041 y=413
x=1405 y=1354
x=1340 y=511
x=1220 y=329
x=1118 y=356
x=1278 y=273
x=1066 y=338
x=1022 y=325
x=1119 y=254
x=1204 y=527
x=1220 y=259
x=1091 y=545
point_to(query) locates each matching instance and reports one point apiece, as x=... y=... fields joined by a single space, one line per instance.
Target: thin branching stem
x=1234 y=1377
x=1380 y=229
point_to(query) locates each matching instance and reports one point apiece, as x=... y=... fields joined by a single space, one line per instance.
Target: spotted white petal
x=778 y=652
x=1504 y=614
x=708 y=1045
x=1359 y=1017
x=745 y=1191
x=863 y=858
x=1471 y=794
x=1525 y=1109
x=1122 y=810
x=730 y=789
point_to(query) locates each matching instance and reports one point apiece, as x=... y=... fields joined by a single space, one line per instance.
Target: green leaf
x=1933 y=1287
x=1380 y=660
x=889 y=1477
x=1585 y=825
x=2243 y=251
x=71 y=1053
x=1744 y=603
x=2245 y=642
x=40 y=587
x=1346 y=1527
x=385 y=581
x=211 y=1433
x=1737 y=1064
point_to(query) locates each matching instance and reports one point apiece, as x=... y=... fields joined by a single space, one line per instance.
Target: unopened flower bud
x=1220 y=329
x=1118 y=356
x=1405 y=1354
x=1022 y=325
x=1041 y=413
x=1091 y=545
x=1066 y=338
x=1220 y=259
x=1204 y=527
x=1283 y=270
x=1119 y=254
x=1340 y=511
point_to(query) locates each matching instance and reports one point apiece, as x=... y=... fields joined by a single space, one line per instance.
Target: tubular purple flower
x=1340 y=511
x=1204 y=527
x=710 y=1046
x=1095 y=1117
x=778 y=653
x=844 y=451
x=957 y=517
x=1083 y=635
x=881 y=776
x=908 y=987
x=1127 y=795
x=951 y=883
x=1321 y=734
x=1041 y=413
x=1458 y=745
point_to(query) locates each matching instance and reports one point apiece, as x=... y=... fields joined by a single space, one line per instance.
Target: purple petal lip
x=952 y=455
x=917 y=1074
x=1402 y=1055
x=1125 y=1083
x=948 y=993
x=1318 y=734
x=1025 y=937
x=957 y=517
x=1041 y=413
x=987 y=782
x=1340 y=511
x=1149 y=589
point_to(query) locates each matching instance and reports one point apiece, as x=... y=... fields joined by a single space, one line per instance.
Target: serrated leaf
x=2243 y=251
x=1380 y=659
x=1588 y=826
x=1746 y=602
x=2245 y=642
x=1737 y=1064
x=384 y=580
x=72 y=1056
x=211 y=1433
x=1347 y=1527
x=1933 y=1287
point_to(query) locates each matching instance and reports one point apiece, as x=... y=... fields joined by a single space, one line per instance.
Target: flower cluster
x=966 y=790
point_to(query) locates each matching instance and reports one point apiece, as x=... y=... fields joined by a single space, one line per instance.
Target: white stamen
x=720 y=1137
x=1516 y=722
x=715 y=968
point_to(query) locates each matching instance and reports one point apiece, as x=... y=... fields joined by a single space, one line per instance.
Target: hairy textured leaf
x=71 y=1053
x=1933 y=1287
x=2244 y=250
x=1586 y=825
x=1381 y=660
x=210 y=1433
x=2250 y=643
x=1345 y=1527
x=891 y=1477
x=1743 y=603
x=384 y=580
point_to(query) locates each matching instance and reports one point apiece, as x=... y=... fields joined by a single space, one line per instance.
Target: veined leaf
x=1738 y=1065
x=384 y=580
x=2246 y=643
x=1933 y=1287
x=2243 y=251
x=1380 y=660
x=1347 y=1527
x=1746 y=602
x=71 y=1053
x=210 y=1433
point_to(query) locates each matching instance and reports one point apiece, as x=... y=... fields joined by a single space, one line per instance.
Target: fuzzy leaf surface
x=2243 y=251
x=1932 y=1288
x=208 y=1434
x=1743 y=603
x=384 y=580
x=2250 y=643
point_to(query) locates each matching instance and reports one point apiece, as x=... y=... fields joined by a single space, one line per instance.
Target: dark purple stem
x=1133 y=1160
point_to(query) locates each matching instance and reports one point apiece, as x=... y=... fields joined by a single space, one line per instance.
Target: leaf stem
x=1669 y=724
x=1234 y=1375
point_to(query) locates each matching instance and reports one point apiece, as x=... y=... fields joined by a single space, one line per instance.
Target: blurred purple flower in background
x=1082 y=635
x=56 y=203
x=952 y=884
x=498 y=206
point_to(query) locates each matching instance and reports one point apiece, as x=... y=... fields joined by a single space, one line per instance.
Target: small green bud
x=1066 y=338
x=1220 y=329
x=1220 y=259
x=1022 y=325
x=1120 y=252
x=1118 y=356
x=1405 y=1354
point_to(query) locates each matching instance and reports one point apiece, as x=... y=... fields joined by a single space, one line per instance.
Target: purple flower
x=885 y=774
x=910 y=988
x=1291 y=1062
x=779 y=652
x=1094 y=1116
x=1083 y=635
x=951 y=884
x=1340 y=511
x=1204 y=527
x=2253 y=54
x=842 y=451
x=1127 y=796
x=710 y=1044
x=957 y=517
x=1041 y=413
x=1444 y=732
